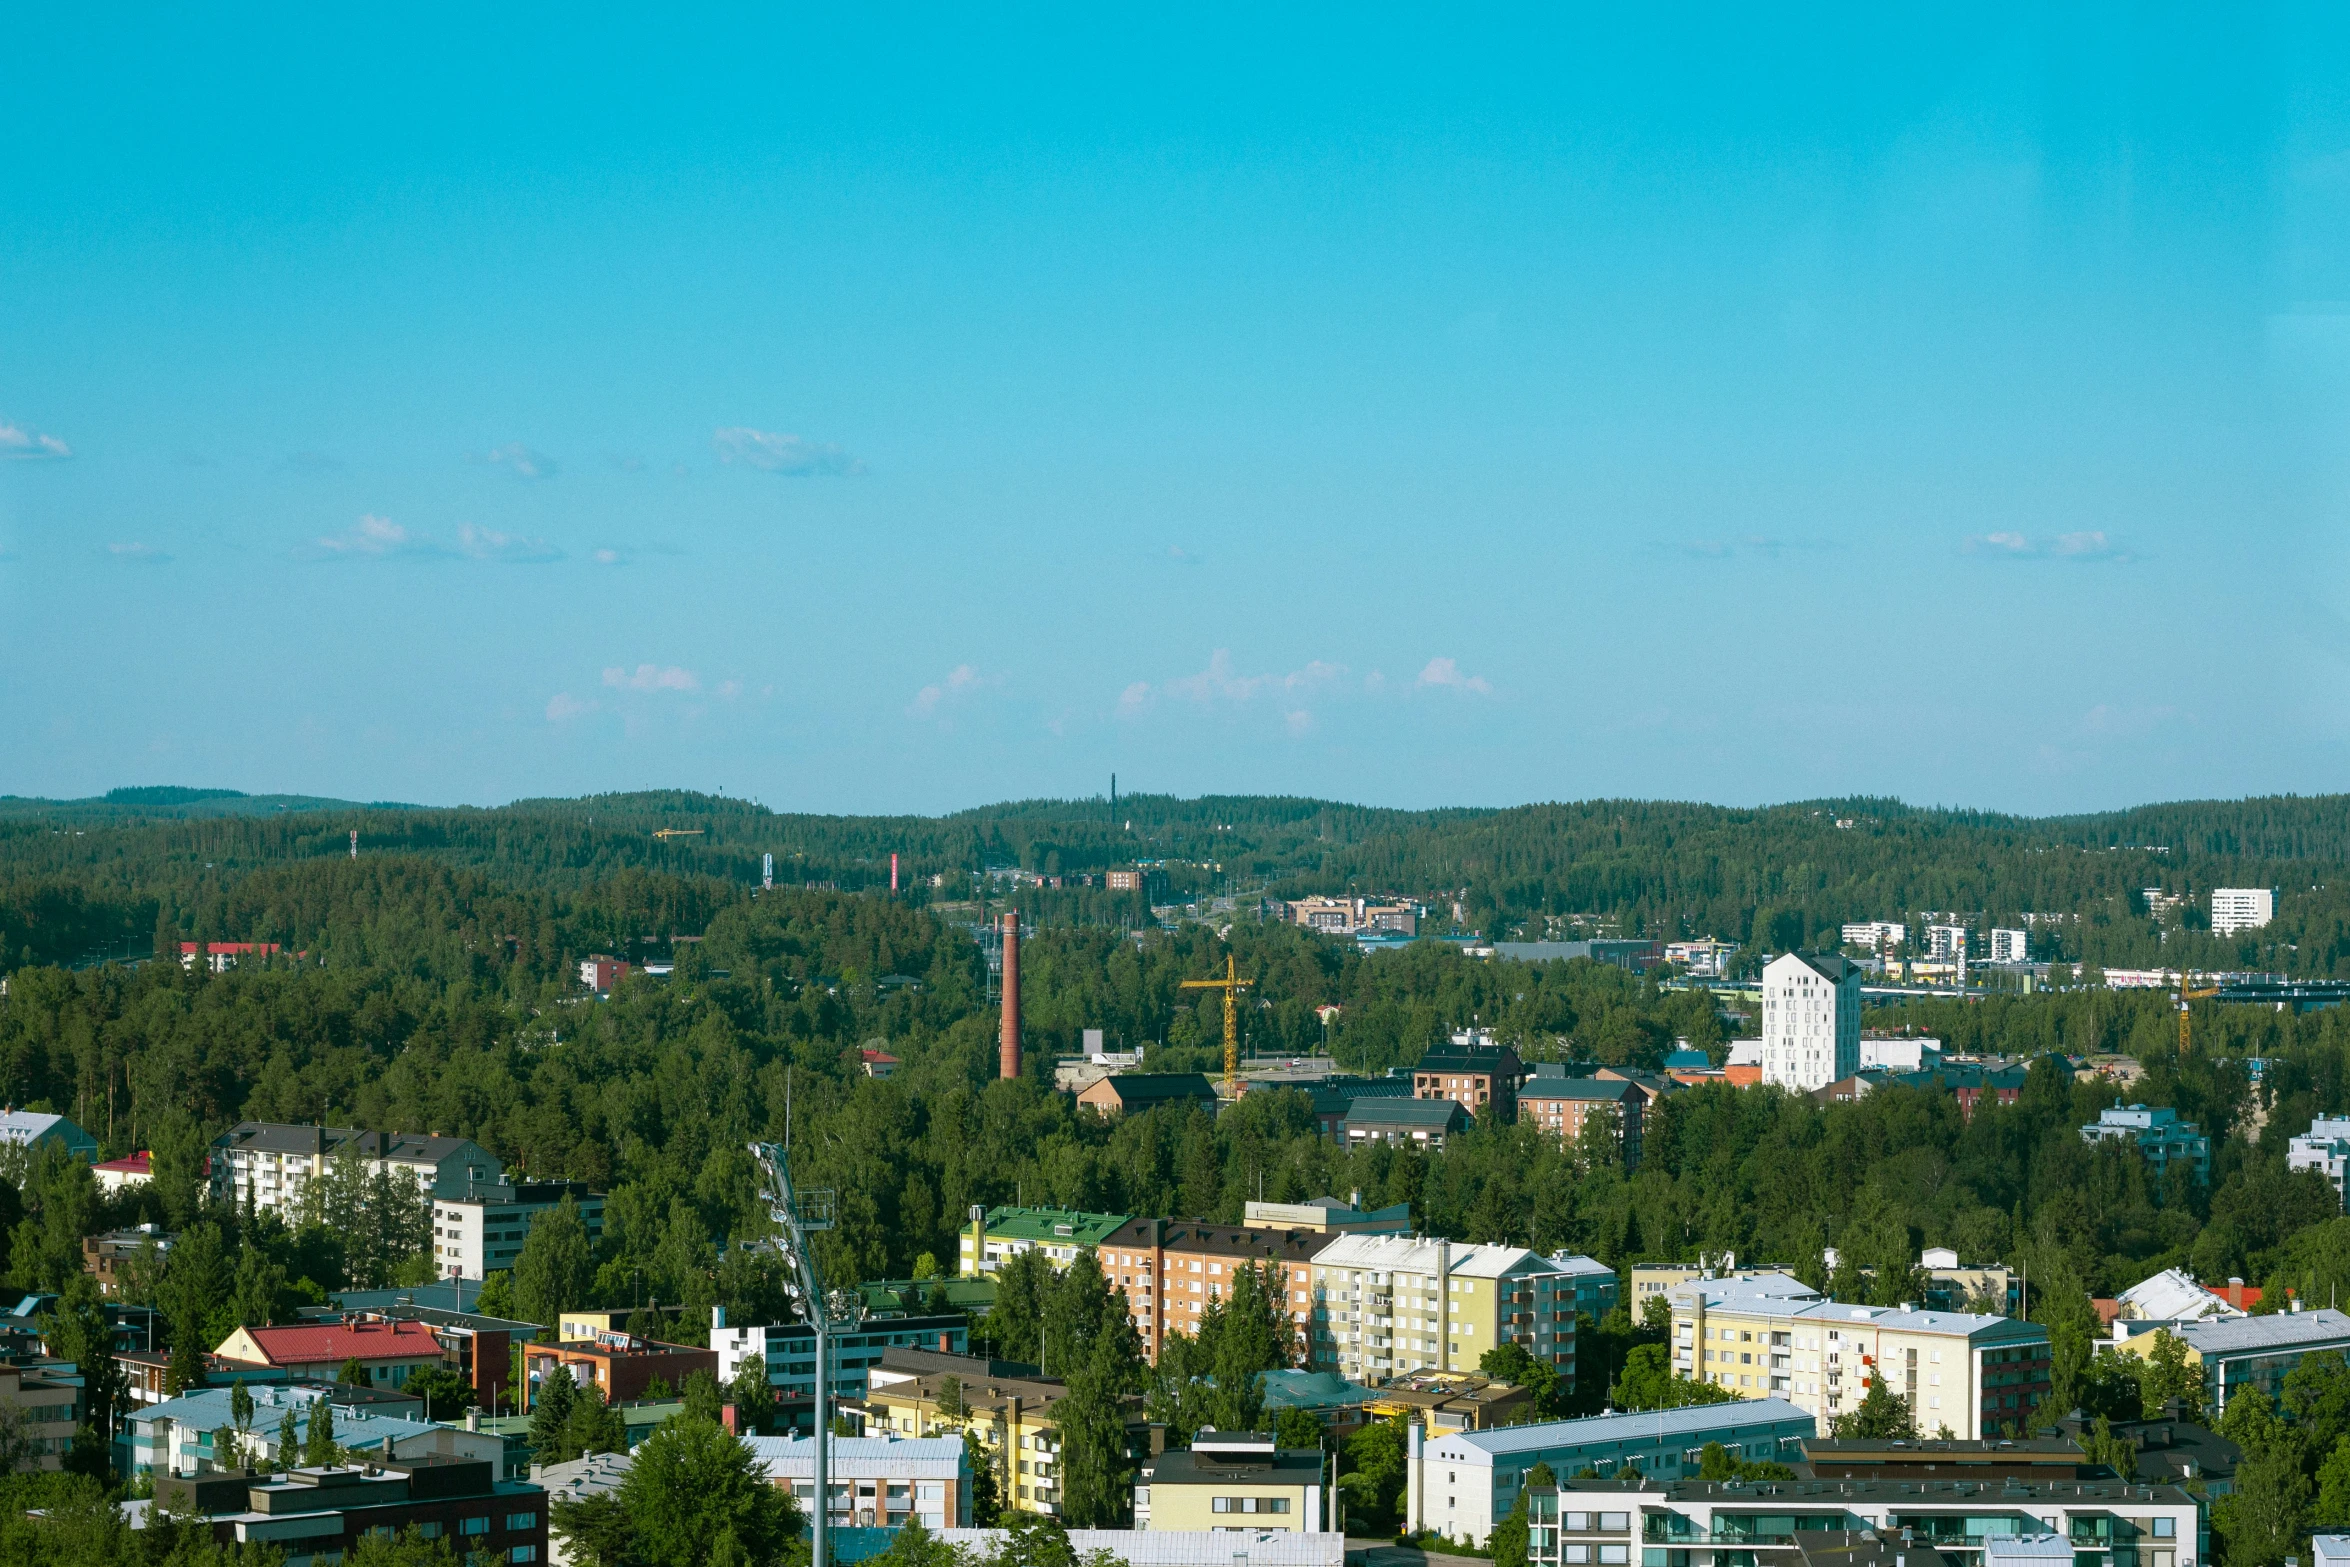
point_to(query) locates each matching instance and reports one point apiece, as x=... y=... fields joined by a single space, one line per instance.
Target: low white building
x=1460 y=1483
x=1900 y=1053
x=1177 y=1547
x=2325 y=1147
x=1875 y=935
x=484 y=1230
x=877 y=1482
x=2236 y=909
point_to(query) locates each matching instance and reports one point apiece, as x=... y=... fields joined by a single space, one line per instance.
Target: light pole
x=796 y=1217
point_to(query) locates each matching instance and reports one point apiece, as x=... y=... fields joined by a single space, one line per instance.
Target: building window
x=524 y=1521
x=474 y=1526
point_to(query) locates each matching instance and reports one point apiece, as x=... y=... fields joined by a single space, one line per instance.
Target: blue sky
x=907 y=410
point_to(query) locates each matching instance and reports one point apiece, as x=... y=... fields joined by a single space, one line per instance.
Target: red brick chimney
x=1008 y=1047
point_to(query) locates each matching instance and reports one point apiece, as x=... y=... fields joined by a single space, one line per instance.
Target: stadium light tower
x=797 y=1216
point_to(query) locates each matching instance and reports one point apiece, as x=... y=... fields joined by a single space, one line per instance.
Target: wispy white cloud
x=652 y=677
x=792 y=455
x=1218 y=682
x=606 y=557
x=18 y=444
x=959 y=681
x=375 y=538
x=563 y=707
x=518 y=460
x=1136 y=699
x=137 y=554
x=2087 y=545
x=476 y=543
x=1445 y=674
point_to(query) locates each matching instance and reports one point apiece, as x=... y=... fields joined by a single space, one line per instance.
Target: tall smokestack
x=893 y=870
x=1008 y=1062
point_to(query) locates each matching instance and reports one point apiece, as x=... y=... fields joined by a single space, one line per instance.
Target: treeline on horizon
x=82 y=879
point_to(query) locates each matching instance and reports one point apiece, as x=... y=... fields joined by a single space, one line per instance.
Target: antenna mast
x=797 y=1216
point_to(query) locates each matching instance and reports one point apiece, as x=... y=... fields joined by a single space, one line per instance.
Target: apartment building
x=2158 y=1133
x=321 y=1514
x=29 y=1129
x=1353 y=916
x=620 y=1365
x=1001 y=1233
x=104 y=1256
x=1016 y=1416
x=2010 y=946
x=484 y=1229
x=1946 y=943
x=1385 y=1305
x=1471 y=1075
x=1874 y=935
x=788 y=1350
x=2235 y=909
x=1329 y=1216
x=1568 y=1107
x=267 y=1164
x=1811 y=1020
x=2325 y=1148
x=1426 y=1123
x=44 y=1411
x=1463 y=1483
x=1771 y=1335
x=1965 y=1522
x=1172 y=1270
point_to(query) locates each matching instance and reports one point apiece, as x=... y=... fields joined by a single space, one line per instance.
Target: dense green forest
x=429 y=984
x=80 y=878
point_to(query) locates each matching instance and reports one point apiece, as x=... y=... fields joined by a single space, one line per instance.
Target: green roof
x=1051 y=1226
x=912 y=1296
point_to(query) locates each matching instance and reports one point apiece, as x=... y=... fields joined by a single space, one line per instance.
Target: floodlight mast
x=797 y=1216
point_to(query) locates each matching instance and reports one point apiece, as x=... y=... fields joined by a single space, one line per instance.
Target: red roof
x=317 y=1343
x=881 y=1055
x=136 y=1164
x=230 y=949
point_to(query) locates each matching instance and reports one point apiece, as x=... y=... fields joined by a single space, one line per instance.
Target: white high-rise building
x=1811 y=1020
x=2010 y=946
x=2241 y=908
x=1945 y=942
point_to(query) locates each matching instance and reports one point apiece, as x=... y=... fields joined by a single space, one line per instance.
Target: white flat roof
x=1643 y=1428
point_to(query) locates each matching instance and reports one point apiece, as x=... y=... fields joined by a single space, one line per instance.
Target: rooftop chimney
x=1008 y=1061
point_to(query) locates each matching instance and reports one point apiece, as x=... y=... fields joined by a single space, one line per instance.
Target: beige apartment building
x=1770 y=1336
x=1388 y=1305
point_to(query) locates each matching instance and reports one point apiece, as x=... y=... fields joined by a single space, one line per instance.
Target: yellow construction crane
x=2186 y=995
x=1232 y=985
x=677 y=832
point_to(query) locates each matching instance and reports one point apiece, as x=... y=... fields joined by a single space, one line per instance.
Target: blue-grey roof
x=2283 y=1330
x=1439 y=1113
x=1645 y=1428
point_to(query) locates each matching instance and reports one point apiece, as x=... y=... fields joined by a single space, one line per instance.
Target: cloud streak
x=2087 y=545
x=791 y=455
x=18 y=444
x=652 y=677
x=486 y=544
x=960 y=681
x=518 y=460
x=375 y=538
x=1444 y=674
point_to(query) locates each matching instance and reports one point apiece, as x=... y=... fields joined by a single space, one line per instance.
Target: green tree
x=550 y=1416
x=557 y=1267
x=1375 y=1471
x=986 y=1495
x=753 y=1396
x=593 y=1426
x=1296 y=1428
x=1648 y=1382
x=1507 y=1544
x=447 y=1393
x=694 y=1491
x=2118 y=1453
x=2333 y=1488
x=1094 y=1460
x=1883 y=1415
x=408 y=1548
x=1013 y=1327
x=319 y=1446
x=497 y=1295
x=352 y=1372
x=289 y=1440
x=702 y=1398
x=2166 y=1374
x=76 y=1330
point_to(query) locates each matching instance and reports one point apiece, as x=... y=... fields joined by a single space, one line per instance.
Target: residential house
x=188 y=1435
x=1234 y=1480
x=221 y=956
x=32 y=1129
x=1130 y=1093
x=116 y=1176
x=43 y=1410
x=388 y=1353
x=103 y=1256
x=2239 y=1352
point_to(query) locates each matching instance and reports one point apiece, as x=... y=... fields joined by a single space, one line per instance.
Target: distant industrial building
x=1638 y=956
x=221 y=956
x=2236 y=909
x=1811 y=1020
x=1899 y=1053
x=2158 y=1133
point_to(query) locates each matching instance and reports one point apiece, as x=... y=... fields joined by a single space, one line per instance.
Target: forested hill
x=84 y=876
